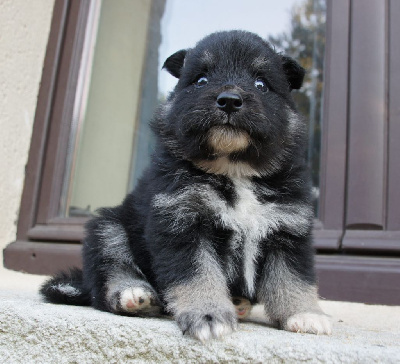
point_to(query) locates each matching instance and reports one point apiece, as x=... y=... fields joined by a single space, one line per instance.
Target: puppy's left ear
x=174 y=63
x=294 y=72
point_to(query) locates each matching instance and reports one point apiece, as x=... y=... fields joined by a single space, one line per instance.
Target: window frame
x=47 y=243
x=38 y=219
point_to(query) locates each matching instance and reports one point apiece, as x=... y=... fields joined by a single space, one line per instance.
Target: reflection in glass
x=305 y=41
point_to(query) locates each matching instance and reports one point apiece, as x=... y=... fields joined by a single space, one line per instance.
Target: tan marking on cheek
x=227 y=140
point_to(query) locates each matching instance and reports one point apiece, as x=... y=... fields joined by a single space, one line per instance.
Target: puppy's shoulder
x=195 y=188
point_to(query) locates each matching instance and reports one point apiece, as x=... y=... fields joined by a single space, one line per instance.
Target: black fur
x=78 y=295
x=181 y=235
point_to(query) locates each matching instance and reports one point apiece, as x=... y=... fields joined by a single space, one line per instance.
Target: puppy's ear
x=174 y=63
x=294 y=72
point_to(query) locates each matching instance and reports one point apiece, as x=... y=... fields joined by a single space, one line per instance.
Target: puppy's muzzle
x=225 y=140
x=229 y=102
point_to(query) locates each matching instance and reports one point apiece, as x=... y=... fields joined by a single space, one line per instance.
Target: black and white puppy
x=223 y=211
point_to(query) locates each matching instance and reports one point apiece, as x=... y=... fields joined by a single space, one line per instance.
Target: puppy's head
x=231 y=111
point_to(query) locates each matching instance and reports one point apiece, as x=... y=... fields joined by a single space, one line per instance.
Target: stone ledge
x=32 y=331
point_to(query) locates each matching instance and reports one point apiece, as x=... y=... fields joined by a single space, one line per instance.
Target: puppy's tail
x=66 y=288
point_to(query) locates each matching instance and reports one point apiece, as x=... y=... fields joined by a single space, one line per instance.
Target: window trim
x=47 y=157
x=329 y=228
x=38 y=218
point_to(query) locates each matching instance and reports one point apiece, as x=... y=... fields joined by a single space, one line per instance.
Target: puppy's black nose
x=229 y=101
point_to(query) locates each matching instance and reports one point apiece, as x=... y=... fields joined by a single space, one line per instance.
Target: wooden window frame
x=357 y=246
x=46 y=242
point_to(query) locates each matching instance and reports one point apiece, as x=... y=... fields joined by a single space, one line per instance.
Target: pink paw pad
x=242 y=307
x=135 y=299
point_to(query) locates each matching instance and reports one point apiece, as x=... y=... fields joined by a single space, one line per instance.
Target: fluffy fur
x=224 y=210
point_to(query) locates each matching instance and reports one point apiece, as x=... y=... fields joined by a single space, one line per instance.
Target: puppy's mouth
x=226 y=139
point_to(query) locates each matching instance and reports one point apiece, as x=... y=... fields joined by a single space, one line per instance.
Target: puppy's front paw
x=136 y=300
x=307 y=322
x=206 y=326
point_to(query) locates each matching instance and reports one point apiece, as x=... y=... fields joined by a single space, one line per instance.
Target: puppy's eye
x=201 y=81
x=261 y=85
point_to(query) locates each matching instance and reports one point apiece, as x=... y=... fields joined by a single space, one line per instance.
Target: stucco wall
x=24 y=30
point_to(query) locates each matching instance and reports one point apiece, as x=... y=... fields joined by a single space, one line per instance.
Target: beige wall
x=24 y=30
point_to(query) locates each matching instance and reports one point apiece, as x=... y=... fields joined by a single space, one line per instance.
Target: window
x=104 y=143
x=124 y=49
x=98 y=54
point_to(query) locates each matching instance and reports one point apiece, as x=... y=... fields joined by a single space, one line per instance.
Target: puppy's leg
x=186 y=265
x=116 y=282
x=201 y=304
x=290 y=295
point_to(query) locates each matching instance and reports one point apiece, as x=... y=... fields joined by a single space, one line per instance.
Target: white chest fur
x=251 y=221
x=247 y=215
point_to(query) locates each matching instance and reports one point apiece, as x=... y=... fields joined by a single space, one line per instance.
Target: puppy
x=224 y=210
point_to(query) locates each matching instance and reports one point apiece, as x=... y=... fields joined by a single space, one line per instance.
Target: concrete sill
x=32 y=331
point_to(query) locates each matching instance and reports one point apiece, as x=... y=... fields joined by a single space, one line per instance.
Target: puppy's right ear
x=294 y=72
x=174 y=63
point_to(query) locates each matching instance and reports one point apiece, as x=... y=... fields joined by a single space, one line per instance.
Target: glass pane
x=305 y=41
x=106 y=125
x=112 y=142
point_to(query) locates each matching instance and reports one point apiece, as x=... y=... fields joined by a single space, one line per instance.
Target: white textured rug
x=32 y=331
